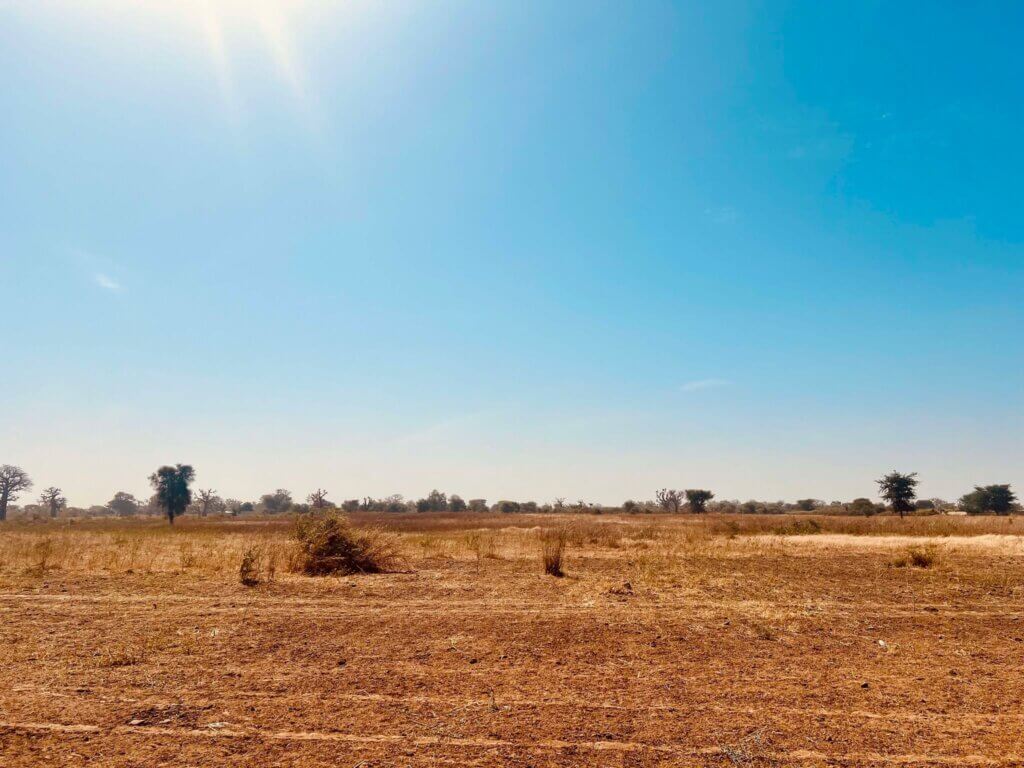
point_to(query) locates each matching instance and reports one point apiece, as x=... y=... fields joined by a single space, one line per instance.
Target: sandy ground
x=785 y=651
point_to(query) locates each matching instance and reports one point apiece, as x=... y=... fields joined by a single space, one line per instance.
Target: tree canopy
x=172 y=489
x=995 y=499
x=899 y=490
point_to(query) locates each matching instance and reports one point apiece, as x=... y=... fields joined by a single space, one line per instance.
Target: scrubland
x=667 y=640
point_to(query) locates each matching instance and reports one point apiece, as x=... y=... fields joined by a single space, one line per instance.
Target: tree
x=669 y=500
x=698 y=499
x=807 y=505
x=123 y=504
x=478 y=505
x=862 y=506
x=172 y=489
x=13 y=480
x=899 y=490
x=435 y=502
x=54 y=499
x=998 y=499
x=208 y=501
x=277 y=502
x=456 y=503
x=318 y=499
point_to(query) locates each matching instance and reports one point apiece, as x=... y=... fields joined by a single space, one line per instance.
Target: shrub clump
x=553 y=551
x=329 y=544
x=252 y=565
x=917 y=557
x=801 y=528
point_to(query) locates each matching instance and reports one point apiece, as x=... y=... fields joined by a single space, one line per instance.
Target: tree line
x=173 y=496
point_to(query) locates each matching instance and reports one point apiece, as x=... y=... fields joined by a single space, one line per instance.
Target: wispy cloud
x=700 y=384
x=107 y=283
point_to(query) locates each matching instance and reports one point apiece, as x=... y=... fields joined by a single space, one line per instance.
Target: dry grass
x=329 y=545
x=552 y=551
x=917 y=557
x=687 y=640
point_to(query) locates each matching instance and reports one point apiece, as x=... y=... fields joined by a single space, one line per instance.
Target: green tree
x=899 y=490
x=996 y=499
x=862 y=506
x=123 y=504
x=698 y=499
x=172 y=489
x=278 y=502
x=456 y=503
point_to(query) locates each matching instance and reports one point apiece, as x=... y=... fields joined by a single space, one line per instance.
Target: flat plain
x=671 y=640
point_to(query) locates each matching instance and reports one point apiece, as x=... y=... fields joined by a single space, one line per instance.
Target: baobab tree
x=318 y=499
x=53 y=498
x=205 y=500
x=668 y=499
x=13 y=480
x=172 y=491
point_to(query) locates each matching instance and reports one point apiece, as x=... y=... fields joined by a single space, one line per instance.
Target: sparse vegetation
x=553 y=550
x=899 y=490
x=917 y=557
x=330 y=545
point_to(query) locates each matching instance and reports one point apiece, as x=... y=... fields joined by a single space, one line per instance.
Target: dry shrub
x=552 y=550
x=329 y=544
x=917 y=557
x=249 y=571
x=801 y=528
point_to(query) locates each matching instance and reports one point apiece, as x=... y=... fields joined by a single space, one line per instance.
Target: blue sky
x=512 y=250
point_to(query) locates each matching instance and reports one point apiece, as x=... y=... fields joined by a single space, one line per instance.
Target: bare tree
x=13 y=480
x=318 y=498
x=53 y=498
x=205 y=500
x=669 y=500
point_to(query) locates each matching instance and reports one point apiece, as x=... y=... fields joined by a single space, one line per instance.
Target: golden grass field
x=675 y=641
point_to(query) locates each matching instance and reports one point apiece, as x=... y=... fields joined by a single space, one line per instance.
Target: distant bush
x=478 y=505
x=507 y=507
x=808 y=505
x=329 y=544
x=862 y=506
x=800 y=528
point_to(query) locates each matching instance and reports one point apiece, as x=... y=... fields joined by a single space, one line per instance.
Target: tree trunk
x=3 y=507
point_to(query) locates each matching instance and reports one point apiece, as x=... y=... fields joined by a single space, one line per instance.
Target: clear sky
x=512 y=249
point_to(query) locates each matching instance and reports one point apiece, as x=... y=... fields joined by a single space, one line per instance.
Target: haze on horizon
x=512 y=250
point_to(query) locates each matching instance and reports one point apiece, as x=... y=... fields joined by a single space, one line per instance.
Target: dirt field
x=671 y=641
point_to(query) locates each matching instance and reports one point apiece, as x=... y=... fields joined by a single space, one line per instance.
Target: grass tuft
x=552 y=550
x=329 y=544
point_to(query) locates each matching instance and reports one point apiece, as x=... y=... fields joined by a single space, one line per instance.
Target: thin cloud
x=107 y=283
x=701 y=384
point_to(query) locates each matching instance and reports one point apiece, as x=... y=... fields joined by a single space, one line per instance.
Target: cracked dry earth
x=741 y=655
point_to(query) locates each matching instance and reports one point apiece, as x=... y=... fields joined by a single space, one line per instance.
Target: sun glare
x=271 y=19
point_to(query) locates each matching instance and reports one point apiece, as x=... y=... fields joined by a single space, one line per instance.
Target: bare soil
x=656 y=649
